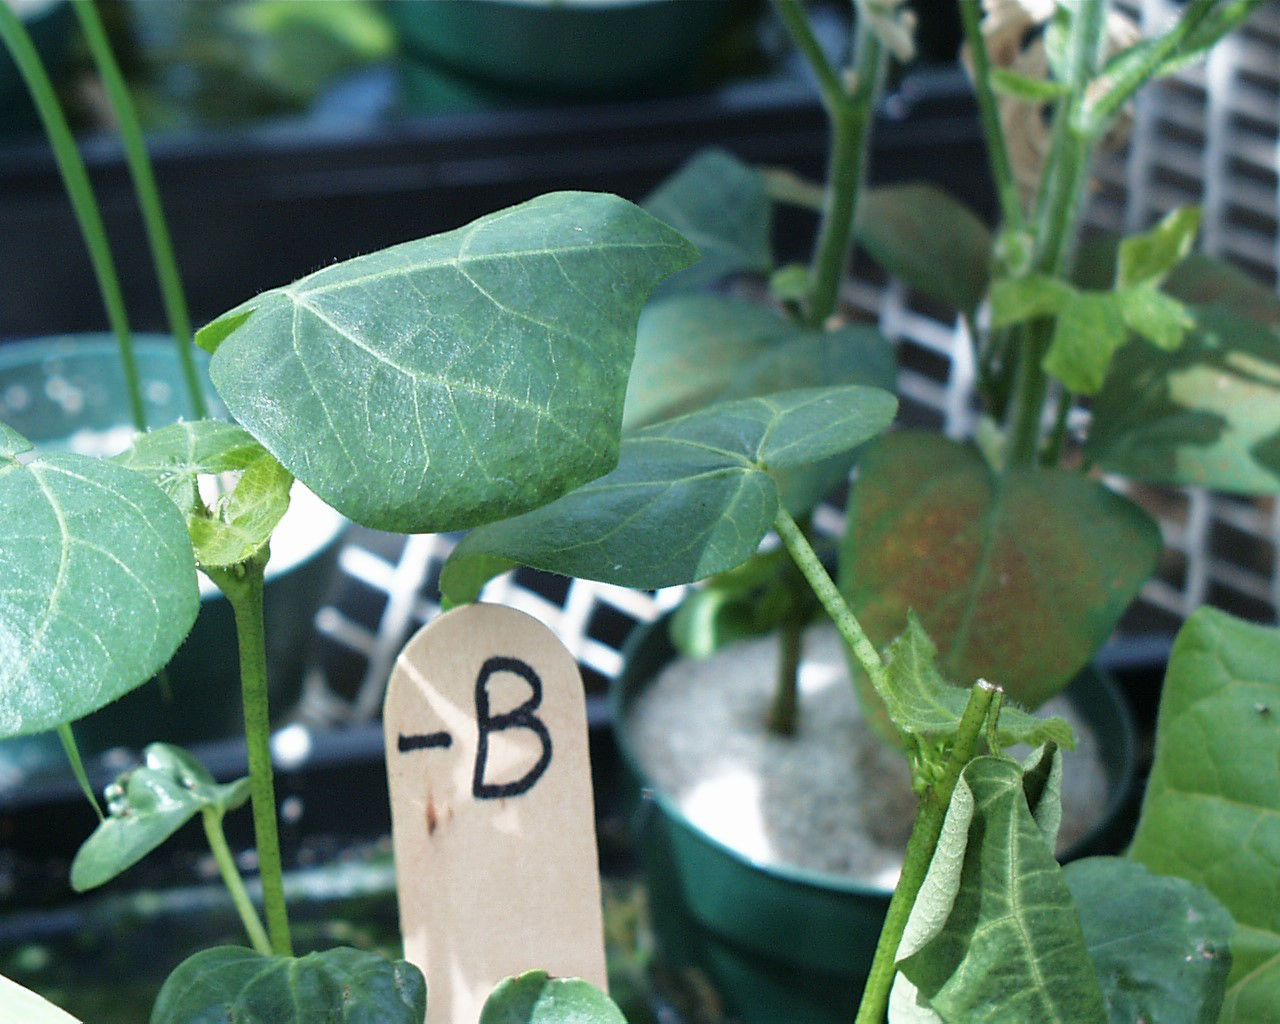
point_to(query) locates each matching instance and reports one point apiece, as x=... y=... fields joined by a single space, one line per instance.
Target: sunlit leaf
x=1015 y=300
x=1086 y=334
x=1148 y=257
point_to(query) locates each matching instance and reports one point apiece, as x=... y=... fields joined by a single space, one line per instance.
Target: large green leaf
x=1212 y=807
x=146 y=806
x=20 y=1005
x=1018 y=579
x=537 y=998
x=993 y=937
x=457 y=379
x=338 y=986
x=97 y=587
x=722 y=206
x=691 y=497
x=1159 y=944
x=921 y=235
x=1207 y=414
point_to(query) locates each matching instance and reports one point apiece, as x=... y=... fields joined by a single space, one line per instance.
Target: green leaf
x=1015 y=300
x=691 y=497
x=1148 y=257
x=721 y=205
x=1207 y=414
x=1018 y=582
x=147 y=805
x=1201 y=280
x=930 y=241
x=1087 y=333
x=459 y=378
x=243 y=520
x=97 y=588
x=1159 y=944
x=921 y=703
x=175 y=455
x=1211 y=812
x=537 y=998
x=1024 y=87
x=12 y=444
x=20 y=1005
x=1160 y=318
x=993 y=935
x=338 y=986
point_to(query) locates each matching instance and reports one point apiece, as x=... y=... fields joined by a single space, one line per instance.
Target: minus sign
x=423 y=742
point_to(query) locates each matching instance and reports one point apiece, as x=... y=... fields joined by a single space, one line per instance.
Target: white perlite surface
x=835 y=798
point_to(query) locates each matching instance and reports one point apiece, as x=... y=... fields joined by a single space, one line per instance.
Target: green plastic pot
x=781 y=944
x=559 y=48
x=69 y=392
x=50 y=24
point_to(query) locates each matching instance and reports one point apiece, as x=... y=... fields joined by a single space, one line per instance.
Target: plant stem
x=242 y=585
x=144 y=184
x=212 y=822
x=783 y=712
x=920 y=850
x=76 y=179
x=836 y=607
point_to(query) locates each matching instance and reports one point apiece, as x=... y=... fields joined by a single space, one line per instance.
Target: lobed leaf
x=1160 y=318
x=338 y=986
x=1018 y=579
x=457 y=379
x=691 y=497
x=1086 y=334
x=1211 y=813
x=536 y=998
x=97 y=587
x=1146 y=258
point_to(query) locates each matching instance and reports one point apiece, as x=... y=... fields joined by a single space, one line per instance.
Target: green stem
x=212 y=822
x=76 y=179
x=836 y=607
x=242 y=585
x=784 y=711
x=920 y=850
x=797 y=24
x=144 y=184
x=1053 y=451
x=72 y=750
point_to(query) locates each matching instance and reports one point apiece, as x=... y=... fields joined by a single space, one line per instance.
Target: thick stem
x=212 y=822
x=243 y=586
x=76 y=179
x=144 y=185
x=784 y=711
x=920 y=850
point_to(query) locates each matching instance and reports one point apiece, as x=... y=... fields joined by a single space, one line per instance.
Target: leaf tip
x=212 y=335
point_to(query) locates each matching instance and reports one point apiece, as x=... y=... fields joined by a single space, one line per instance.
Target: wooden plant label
x=491 y=808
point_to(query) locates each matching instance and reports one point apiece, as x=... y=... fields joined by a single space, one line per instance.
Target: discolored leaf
x=537 y=998
x=97 y=587
x=691 y=497
x=457 y=379
x=338 y=986
x=1017 y=581
x=1211 y=812
x=1159 y=944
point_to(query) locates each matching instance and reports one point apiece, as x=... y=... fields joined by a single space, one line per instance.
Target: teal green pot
x=561 y=49
x=780 y=944
x=68 y=392
x=51 y=24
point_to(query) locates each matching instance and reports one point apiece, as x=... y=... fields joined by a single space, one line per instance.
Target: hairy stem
x=212 y=822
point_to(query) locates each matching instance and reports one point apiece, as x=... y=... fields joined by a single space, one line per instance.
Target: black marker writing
x=521 y=717
x=426 y=741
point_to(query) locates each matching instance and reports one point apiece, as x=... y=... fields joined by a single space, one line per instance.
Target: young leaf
x=721 y=205
x=1212 y=805
x=1024 y=87
x=1159 y=944
x=20 y=1005
x=145 y=807
x=1087 y=333
x=1147 y=258
x=1160 y=318
x=175 y=455
x=691 y=497
x=1207 y=414
x=1017 y=579
x=97 y=587
x=243 y=521
x=338 y=986
x=537 y=998
x=927 y=239
x=1015 y=300
x=993 y=936
x=456 y=379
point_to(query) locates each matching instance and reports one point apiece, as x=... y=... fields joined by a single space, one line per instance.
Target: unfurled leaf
x=722 y=206
x=691 y=497
x=1146 y=259
x=920 y=702
x=928 y=240
x=147 y=805
x=1159 y=318
x=175 y=455
x=537 y=998
x=20 y=1005
x=1086 y=334
x=1018 y=579
x=1015 y=300
x=97 y=587
x=993 y=935
x=1158 y=943
x=338 y=986
x=1024 y=87
x=457 y=379
x=1206 y=414
x=1211 y=812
